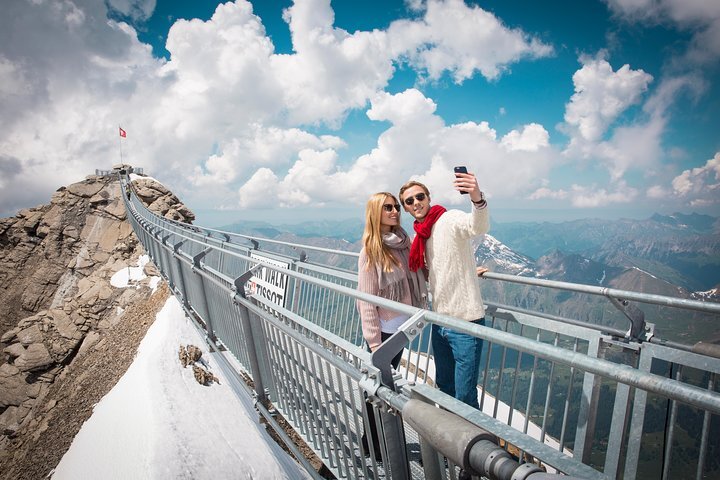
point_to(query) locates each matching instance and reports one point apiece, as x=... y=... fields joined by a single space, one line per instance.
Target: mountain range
x=676 y=255
x=678 y=250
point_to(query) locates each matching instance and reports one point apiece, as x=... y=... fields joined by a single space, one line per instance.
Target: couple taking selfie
x=394 y=267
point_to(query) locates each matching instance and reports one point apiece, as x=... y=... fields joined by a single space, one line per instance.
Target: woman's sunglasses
x=419 y=197
x=388 y=207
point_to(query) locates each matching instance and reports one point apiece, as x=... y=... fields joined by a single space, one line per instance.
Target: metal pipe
x=609 y=292
x=474 y=449
x=646 y=381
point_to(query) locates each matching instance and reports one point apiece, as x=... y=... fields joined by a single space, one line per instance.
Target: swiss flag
x=122 y=132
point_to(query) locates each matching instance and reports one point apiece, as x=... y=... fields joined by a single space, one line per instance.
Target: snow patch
x=123 y=277
x=159 y=423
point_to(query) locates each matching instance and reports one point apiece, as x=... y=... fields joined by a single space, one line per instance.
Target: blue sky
x=288 y=111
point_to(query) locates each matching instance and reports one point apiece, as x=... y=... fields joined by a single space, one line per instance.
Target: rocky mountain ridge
x=61 y=314
x=660 y=255
x=678 y=249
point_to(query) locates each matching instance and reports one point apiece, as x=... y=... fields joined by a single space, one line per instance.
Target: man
x=443 y=247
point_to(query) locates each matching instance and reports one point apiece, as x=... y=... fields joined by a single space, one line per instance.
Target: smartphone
x=461 y=170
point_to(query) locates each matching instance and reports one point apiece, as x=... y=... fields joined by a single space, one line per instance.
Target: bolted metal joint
x=634 y=314
x=370 y=381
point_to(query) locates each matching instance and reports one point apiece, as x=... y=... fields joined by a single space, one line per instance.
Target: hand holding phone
x=460 y=169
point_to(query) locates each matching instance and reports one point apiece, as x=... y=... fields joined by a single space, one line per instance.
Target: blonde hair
x=375 y=249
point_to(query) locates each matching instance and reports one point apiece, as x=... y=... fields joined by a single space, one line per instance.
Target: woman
x=383 y=271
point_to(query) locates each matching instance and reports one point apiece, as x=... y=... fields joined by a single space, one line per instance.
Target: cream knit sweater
x=449 y=256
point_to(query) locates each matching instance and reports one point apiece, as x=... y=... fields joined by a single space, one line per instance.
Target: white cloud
x=582 y=196
x=592 y=197
x=221 y=77
x=419 y=145
x=312 y=179
x=259 y=146
x=700 y=186
x=224 y=104
x=410 y=106
x=544 y=192
x=462 y=40
x=530 y=139
x=700 y=17
x=601 y=95
x=657 y=192
x=332 y=71
x=635 y=146
x=259 y=191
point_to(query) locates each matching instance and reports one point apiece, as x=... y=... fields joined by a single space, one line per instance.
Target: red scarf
x=423 y=231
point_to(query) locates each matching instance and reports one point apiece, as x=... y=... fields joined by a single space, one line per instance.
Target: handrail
x=649 y=298
x=654 y=299
x=313 y=372
x=290 y=244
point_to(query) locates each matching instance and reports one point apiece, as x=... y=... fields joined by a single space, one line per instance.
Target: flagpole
x=120 y=140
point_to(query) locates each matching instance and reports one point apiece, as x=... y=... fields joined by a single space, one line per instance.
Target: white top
x=451 y=260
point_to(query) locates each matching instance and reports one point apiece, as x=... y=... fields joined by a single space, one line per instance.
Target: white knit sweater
x=448 y=252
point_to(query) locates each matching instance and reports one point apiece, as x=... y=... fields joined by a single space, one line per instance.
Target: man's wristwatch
x=479 y=202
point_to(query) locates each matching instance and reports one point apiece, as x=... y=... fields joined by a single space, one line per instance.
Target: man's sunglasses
x=419 y=197
x=388 y=207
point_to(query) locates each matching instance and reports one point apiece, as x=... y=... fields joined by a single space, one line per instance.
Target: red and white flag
x=122 y=132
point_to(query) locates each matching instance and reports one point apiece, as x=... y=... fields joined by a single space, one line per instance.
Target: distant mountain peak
x=497 y=256
x=693 y=221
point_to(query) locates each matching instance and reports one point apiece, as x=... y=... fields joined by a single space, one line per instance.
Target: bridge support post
x=251 y=345
x=202 y=301
x=392 y=425
x=181 y=277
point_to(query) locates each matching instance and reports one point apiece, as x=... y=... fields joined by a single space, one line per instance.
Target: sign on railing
x=270 y=284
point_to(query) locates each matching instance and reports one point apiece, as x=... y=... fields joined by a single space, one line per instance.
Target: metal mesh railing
x=556 y=394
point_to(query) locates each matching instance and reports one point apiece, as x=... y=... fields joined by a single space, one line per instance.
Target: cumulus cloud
x=700 y=186
x=260 y=190
x=225 y=111
x=532 y=138
x=419 y=145
x=333 y=70
x=701 y=18
x=601 y=95
x=259 y=146
x=460 y=39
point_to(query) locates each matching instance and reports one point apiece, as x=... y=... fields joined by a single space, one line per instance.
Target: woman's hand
x=481 y=270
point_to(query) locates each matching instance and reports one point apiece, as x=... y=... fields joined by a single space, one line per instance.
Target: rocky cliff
x=66 y=333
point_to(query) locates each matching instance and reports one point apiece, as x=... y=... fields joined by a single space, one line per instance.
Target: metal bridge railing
x=557 y=395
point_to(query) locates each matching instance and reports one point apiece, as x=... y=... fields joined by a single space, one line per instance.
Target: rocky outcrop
x=57 y=300
x=191 y=356
x=162 y=201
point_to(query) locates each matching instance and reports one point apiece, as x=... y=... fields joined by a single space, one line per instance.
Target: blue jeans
x=457 y=360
